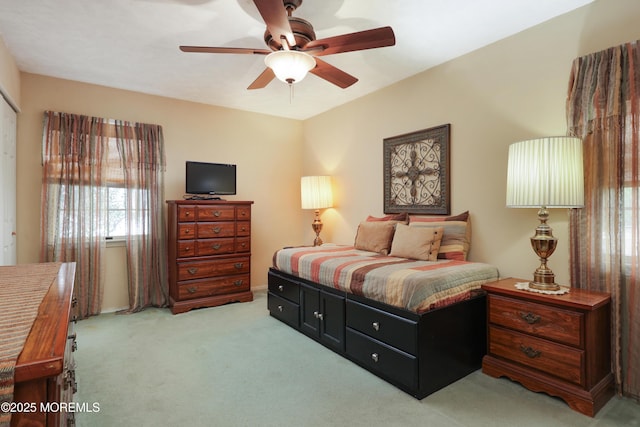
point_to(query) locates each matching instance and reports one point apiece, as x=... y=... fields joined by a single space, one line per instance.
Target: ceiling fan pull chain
x=290 y=93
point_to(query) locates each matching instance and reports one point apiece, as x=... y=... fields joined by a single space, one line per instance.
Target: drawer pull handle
x=216 y=230
x=192 y=290
x=529 y=352
x=187 y=249
x=187 y=231
x=530 y=318
x=374 y=357
x=376 y=326
x=238 y=282
x=238 y=265
x=281 y=288
x=216 y=214
x=192 y=270
x=187 y=213
x=74 y=343
x=216 y=246
x=280 y=308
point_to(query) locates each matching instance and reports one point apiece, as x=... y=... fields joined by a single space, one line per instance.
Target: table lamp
x=316 y=194
x=545 y=173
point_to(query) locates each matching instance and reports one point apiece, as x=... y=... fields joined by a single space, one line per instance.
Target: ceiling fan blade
x=361 y=40
x=332 y=74
x=275 y=16
x=263 y=79
x=240 y=50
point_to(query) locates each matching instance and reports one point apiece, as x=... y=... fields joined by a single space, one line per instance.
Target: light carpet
x=235 y=365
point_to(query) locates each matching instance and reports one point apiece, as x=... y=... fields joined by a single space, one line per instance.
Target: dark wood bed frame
x=419 y=354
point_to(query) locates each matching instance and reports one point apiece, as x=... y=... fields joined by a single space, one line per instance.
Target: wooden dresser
x=209 y=253
x=45 y=378
x=557 y=344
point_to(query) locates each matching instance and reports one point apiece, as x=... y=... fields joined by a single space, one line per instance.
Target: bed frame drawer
x=388 y=328
x=283 y=309
x=284 y=288
x=382 y=359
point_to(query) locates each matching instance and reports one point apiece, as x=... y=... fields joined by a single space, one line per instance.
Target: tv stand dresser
x=209 y=253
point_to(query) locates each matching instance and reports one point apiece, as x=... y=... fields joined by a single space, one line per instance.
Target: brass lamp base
x=543 y=244
x=317 y=228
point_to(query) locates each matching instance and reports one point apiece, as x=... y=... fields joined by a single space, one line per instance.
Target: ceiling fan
x=293 y=48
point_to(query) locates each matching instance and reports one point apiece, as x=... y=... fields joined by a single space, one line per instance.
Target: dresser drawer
x=393 y=330
x=384 y=360
x=540 y=320
x=187 y=230
x=186 y=213
x=215 y=246
x=186 y=248
x=207 y=230
x=243 y=244
x=216 y=286
x=554 y=359
x=212 y=268
x=243 y=228
x=216 y=213
x=283 y=309
x=243 y=213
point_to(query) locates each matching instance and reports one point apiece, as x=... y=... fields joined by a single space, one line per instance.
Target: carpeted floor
x=235 y=366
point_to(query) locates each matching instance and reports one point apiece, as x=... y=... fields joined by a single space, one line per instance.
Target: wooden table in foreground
x=557 y=344
x=45 y=371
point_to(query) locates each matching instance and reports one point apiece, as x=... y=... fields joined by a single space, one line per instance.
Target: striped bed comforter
x=413 y=285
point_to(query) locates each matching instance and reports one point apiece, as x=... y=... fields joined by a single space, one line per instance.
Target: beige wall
x=509 y=91
x=9 y=77
x=266 y=149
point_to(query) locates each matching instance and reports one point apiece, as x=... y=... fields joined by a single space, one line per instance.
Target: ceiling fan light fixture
x=290 y=66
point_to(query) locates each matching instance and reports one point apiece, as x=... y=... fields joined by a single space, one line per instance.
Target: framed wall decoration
x=416 y=172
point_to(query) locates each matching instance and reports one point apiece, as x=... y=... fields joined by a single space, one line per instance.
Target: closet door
x=7 y=184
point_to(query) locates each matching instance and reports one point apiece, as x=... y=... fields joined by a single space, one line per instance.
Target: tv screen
x=210 y=178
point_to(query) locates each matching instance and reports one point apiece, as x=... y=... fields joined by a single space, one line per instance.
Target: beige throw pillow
x=416 y=243
x=375 y=236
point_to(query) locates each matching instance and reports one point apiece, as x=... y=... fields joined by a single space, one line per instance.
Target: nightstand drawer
x=540 y=320
x=393 y=330
x=554 y=359
x=389 y=362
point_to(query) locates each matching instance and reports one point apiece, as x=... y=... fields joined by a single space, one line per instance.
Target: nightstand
x=557 y=344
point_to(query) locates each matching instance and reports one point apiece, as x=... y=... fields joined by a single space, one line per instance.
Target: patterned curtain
x=603 y=108
x=141 y=149
x=84 y=157
x=73 y=201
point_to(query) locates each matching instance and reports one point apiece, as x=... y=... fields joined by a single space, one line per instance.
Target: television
x=210 y=178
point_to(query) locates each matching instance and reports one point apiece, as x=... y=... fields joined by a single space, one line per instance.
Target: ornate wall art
x=416 y=172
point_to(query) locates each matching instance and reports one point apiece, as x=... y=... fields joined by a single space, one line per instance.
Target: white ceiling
x=133 y=44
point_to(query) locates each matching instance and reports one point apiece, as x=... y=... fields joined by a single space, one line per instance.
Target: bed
x=402 y=302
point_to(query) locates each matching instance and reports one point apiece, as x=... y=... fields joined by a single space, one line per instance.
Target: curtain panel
x=603 y=106
x=82 y=158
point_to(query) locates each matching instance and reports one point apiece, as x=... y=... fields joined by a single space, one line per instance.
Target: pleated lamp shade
x=545 y=172
x=316 y=192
